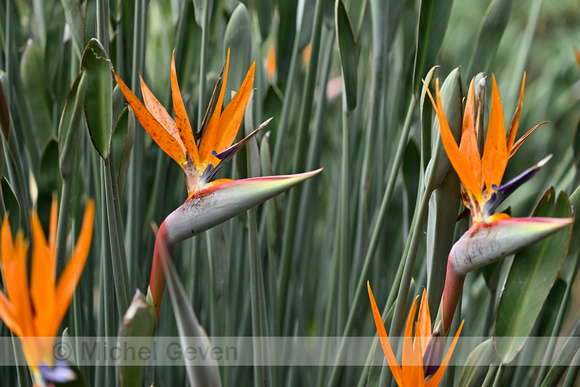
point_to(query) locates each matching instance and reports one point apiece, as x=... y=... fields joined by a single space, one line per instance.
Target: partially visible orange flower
x=411 y=371
x=199 y=161
x=34 y=312
x=271 y=63
x=577 y=54
x=481 y=175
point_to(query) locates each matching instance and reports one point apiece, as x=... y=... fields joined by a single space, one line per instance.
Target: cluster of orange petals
x=479 y=174
x=176 y=138
x=411 y=371
x=34 y=313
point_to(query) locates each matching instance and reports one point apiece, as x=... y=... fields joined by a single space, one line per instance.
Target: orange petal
x=73 y=270
x=577 y=54
x=181 y=118
x=387 y=350
x=423 y=330
x=417 y=373
x=436 y=378
x=20 y=295
x=8 y=315
x=408 y=339
x=157 y=132
x=271 y=63
x=455 y=156
x=495 y=155
x=516 y=119
x=519 y=143
x=468 y=145
x=233 y=114
x=42 y=279
x=213 y=127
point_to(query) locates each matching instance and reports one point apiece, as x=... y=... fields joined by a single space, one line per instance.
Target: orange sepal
x=157 y=132
x=387 y=350
x=495 y=155
x=408 y=339
x=73 y=270
x=181 y=119
x=436 y=378
x=468 y=145
x=455 y=156
x=423 y=331
x=213 y=126
x=516 y=119
x=8 y=315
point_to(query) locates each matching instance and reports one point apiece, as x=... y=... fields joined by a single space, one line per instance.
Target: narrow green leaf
x=49 y=180
x=10 y=204
x=137 y=328
x=32 y=67
x=443 y=209
x=357 y=11
x=529 y=281
x=89 y=21
x=477 y=364
x=238 y=39
x=432 y=24
x=189 y=329
x=123 y=138
x=489 y=36
x=70 y=126
x=570 y=265
x=99 y=93
x=198 y=6
x=347 y=50
x=72 y=13
x=4 y=114
x=265 y=11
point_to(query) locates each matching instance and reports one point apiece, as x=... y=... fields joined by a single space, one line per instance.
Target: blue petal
x=502 y=192
x=60 y=373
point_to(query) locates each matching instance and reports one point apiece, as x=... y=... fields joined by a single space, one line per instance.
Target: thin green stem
x=375 y=238
x=298 y=164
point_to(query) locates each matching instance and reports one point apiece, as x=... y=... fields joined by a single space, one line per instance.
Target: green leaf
x=477 y=364
x=265 y=11
x=99 y=93
x=189 y=329
x=48 y=180
x=72 y=14
x=70 y=126
x=4 y=115
x=357 y=11
x=123 y=138
x=570 y=265
x=137 y=328
x=530 y=279
x=347 y=50
x=32 y=67
x=489 y=36
x=10 y=204
x=198 y=6
x=238 y=39
x=433 y=21
x=89 y=21
x=443 y=209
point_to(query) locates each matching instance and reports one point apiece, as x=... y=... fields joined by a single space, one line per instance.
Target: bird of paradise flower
x=491 y=236
x=208 y=203
x=412 y=372
x=34 y=313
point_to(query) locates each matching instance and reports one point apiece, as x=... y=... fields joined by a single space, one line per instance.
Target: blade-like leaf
x=529 y=281
x=99 y=94
x=347 y=50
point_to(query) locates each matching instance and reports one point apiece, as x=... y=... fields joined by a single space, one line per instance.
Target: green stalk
x=62 y=227
x=567 y=353
x=287 y=103
x=298 y=164
x=135 y=179
x=549 y=351
x=571 y=376
x=375 y=238
x=118 y=257
x=490 y=377
x=203 y=62
x=343 y=302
